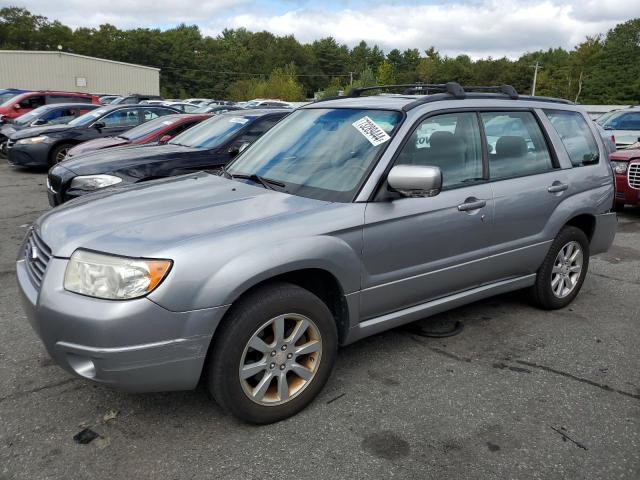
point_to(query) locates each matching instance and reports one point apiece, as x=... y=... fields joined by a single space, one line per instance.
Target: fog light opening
x=83 y=366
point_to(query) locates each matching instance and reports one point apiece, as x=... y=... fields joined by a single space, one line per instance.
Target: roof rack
x=448 y=91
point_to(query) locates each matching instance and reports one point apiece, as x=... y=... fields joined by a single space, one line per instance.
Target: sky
x=479 y=28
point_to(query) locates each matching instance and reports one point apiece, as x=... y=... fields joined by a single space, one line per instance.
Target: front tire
x=273 y=353
x=58 y=153
x=563 y=271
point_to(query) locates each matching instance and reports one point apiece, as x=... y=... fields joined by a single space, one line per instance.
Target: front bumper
x=29 y=155
x=624 y=193
x=134 y=345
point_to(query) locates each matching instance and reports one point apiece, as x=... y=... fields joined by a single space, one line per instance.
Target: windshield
x=320 y=153
x=5 y=97
x=31 y=116
x=148 y=128
x=602 y=119
x=213 y=132
x=88 y=117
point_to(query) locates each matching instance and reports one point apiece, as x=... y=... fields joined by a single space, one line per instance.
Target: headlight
x=619 y=167
x=94 y=182
x=33 y=140
x=112 y=277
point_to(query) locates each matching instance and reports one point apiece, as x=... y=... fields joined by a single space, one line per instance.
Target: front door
x=419 y=249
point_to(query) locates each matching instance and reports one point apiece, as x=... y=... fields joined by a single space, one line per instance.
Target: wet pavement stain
x=386 y=445
x=493 y=447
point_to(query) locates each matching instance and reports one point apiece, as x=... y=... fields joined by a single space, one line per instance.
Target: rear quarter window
x=576 y=136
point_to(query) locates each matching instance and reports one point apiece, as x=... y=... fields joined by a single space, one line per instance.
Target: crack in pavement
x=566 y=437
x=602 y=386
x=503 y=366
x=24 y=393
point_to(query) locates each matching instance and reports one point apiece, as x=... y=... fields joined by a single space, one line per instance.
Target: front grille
x=36 y=255
x=633 y=175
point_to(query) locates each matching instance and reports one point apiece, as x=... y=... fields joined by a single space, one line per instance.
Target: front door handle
x=557 y=187
x=471 y=204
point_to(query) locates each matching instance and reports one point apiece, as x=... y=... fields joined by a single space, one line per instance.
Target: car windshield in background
x=148 y=128
x=212 y=132
x=320 y=153
x=5 y=97
x=30 y=116
x=87 y=118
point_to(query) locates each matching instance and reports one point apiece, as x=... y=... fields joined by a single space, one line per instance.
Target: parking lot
x=521 y=393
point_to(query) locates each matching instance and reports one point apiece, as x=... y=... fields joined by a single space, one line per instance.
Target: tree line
x=239 y=64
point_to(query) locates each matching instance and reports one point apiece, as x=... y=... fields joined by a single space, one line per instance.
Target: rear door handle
x=471 y=204
x=557 y=187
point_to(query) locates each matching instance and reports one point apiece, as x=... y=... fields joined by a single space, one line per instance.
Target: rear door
x=419 y=249
x=528 y=186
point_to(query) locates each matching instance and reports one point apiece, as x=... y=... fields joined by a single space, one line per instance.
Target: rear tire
x=563 y=271
x=255 y=370
x=58 y=153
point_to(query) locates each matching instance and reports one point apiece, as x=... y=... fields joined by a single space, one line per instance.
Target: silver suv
x=350 y=217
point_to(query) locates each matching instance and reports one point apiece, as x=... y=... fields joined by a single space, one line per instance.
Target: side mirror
x=415 y=180
x=238 y=148
x=99 y=125
x=40 y=121
x=17 y=106
x=164 y=139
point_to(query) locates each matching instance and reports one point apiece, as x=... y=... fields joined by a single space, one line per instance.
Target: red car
x=626 y=167
x=25 y=102
x=160 y=129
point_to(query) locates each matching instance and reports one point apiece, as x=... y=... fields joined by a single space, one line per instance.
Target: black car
x=55 y=114
x=207 y=146
x=44 y=146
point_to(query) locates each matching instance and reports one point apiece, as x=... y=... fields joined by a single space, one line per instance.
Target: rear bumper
x=133 y=345
x=604 y=233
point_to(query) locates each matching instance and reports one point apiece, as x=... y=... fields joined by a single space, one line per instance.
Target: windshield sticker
x=371 y=131
x=239 y=120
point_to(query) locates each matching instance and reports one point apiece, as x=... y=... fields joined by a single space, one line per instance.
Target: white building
x=36 y=70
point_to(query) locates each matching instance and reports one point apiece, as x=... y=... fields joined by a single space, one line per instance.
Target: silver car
x=350 y=217
x=622 y=125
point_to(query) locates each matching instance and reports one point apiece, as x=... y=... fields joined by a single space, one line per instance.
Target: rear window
x=576 y=137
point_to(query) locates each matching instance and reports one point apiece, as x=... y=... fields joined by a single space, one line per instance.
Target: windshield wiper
x=265 y=182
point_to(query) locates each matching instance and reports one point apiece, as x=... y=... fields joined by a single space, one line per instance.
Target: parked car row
x=279 y=235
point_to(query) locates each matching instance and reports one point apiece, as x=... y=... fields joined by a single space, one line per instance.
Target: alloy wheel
x=280 y=359
x=567 y=268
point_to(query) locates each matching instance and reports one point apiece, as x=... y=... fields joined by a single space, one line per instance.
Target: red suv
x=25 y=102
x=626 y=166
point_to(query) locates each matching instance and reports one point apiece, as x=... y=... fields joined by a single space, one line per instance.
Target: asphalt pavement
x=519 y=394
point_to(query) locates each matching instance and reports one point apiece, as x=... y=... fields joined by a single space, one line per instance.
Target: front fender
x=242 y=272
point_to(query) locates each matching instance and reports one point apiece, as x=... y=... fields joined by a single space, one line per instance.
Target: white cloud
x=479 y=28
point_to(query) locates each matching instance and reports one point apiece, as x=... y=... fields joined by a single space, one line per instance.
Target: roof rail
x=447 y=91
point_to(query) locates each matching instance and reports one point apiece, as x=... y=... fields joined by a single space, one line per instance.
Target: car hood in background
x=148 y=218
x=97 y=144
x=104 y=161
x=35 y=131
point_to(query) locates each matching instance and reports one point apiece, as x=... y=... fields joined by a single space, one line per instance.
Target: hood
x=148 y=218
x=625 y=155
x=97 y=161
x=97 y=144
x=9 y=129
x=35 y=131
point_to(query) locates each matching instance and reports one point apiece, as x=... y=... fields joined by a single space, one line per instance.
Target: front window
x=29 y=117
x=320 y=153
x=213 y=132
x=88 y=117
